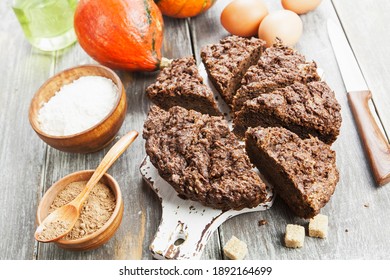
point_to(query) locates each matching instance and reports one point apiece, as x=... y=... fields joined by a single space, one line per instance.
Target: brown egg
x=243 y=17
x=283 y=24
x=300 y=6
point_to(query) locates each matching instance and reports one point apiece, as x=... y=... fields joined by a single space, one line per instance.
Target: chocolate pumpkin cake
x=278 y=67
x=303 y=172
x=181 y=85
x=201 y=158
x=306 y=110
x=227 y=62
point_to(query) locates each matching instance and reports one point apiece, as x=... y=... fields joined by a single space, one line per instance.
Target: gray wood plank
x=367 y=29
x=206 y=28
x=22 y=154
x=355 y=231
x=356 y=188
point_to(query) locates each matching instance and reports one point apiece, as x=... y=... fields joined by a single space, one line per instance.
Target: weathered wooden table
x=359 y=225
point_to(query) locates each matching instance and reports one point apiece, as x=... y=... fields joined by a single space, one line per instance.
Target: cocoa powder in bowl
x=95 y=212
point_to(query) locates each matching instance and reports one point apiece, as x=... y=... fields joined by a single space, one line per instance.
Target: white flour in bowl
x=78 y=106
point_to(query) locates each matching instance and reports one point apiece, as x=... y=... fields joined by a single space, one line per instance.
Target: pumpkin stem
x=165 y=62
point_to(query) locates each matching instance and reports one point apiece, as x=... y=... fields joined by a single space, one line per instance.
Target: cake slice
x=227 y=62
x=202 y=159
x=306 y=110
x=278 y=67
x=180 y=84
x=303 y=172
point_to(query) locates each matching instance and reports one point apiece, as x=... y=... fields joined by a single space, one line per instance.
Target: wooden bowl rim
x=115 y=213
x=117 y=82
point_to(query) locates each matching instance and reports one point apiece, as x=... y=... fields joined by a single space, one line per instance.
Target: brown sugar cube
x=235 y=249
x=295 y=236
x=318 y=226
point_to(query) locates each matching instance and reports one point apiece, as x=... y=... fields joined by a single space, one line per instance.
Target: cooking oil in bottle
x=47 y=24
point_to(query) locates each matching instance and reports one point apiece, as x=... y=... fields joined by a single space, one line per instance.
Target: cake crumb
x=235 y=249
x=295 y=236
x=318 y=226
x=262 y=222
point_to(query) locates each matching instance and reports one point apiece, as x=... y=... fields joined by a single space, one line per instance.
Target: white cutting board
x=187 y=225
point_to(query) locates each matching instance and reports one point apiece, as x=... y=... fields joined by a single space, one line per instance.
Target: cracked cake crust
x=202 y=159
x=303 y=172
x=310 y=109
x=278 y=67
x=180 y=84
x=227 y=62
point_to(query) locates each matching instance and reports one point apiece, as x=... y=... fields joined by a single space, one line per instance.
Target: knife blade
x=349 y=68
x=375 y=144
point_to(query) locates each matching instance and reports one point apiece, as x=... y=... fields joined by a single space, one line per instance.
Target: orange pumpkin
x=184 y=8
x=121 y=34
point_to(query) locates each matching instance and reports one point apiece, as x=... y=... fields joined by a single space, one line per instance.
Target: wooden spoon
x=60 y=222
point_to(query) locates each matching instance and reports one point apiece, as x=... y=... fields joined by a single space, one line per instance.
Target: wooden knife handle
x=376 y=145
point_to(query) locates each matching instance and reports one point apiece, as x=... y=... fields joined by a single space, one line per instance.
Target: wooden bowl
x=100 y=236
x=94 y=138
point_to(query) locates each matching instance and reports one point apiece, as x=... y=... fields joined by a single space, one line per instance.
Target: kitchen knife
x=375 y=144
